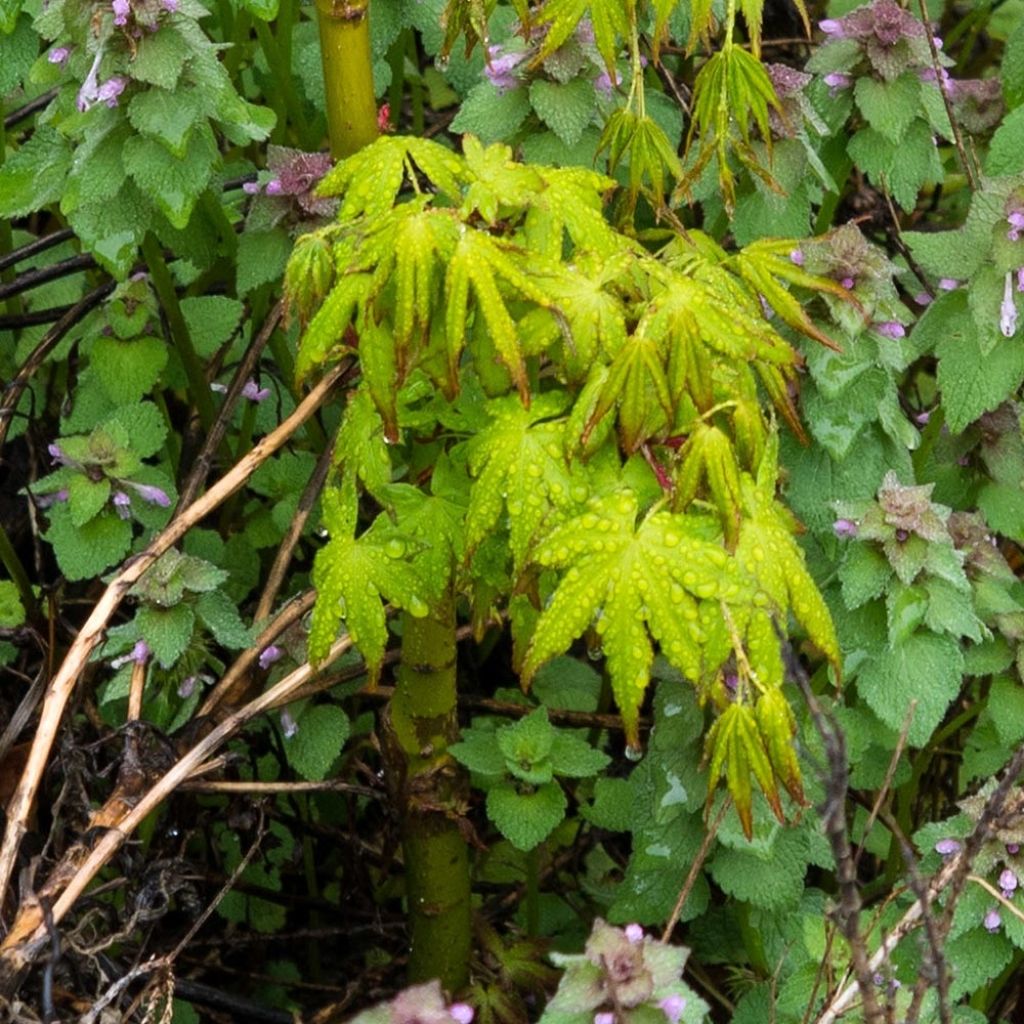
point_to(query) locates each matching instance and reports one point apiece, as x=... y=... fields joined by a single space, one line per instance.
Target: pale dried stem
x=16 y=956
x=92 y=632
x=135 y=691
x=233 y=679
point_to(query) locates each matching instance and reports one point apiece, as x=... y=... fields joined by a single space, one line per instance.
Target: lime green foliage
x=622 y=475
x=517 y=764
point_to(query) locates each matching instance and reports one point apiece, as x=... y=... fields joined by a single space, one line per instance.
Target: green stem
x=283 y=97
x=348 y=74
x=20 y=578
x=163 y=284
x=14 y=306
x=533 y=892
x=423 y=723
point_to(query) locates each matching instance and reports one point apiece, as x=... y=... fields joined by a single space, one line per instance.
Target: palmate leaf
x=634 y=582
x=736 y=749
x=369 y=181
x=353 y=575
x=478 y=261
x=519 y=465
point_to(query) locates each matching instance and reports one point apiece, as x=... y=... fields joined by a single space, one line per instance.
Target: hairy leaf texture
x=633 y=581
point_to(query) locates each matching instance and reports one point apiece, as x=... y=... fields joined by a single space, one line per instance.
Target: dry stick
x=279 y=569
x=691 y=877
x=287 y=616
x=135 y=688
x=890 y=774
x=273 y=788
x=17 y=956
x=969 y=169
x=91 y=634
x=203 y=462
x=952 y=876
x=13 y=392
x=833 y=815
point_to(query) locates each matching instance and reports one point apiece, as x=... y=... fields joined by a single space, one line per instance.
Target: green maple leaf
x=369 y=181
x=354 y=575
x=609 y=18
x=637 y=581
x=519 y=465
x=479 y=261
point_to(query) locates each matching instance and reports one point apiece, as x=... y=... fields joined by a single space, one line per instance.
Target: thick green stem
x=424 y=723
x=348 y=74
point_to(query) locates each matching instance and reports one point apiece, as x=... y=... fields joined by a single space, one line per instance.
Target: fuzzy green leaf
x=526 y=819
x=322 y=732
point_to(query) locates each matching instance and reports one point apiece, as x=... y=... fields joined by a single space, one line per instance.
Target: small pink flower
x=672 y=1007
x=121 y=9
x=461 y=1013
x=274 y=187
x=797 y=257
x=1007 y=882
x=122 y=504
x=844 y=528
x=923 y=299
x=992 y=921
x=187 y=687
x=848 y=283
x=922 y=418
x=251 y=188
x=832 y=27
x=139 y=654
x=59 y=55
x=604 y=1017
x=150 y=493
x=254 y=392
x=269 y=655
x=948 y=284
x=947 y=847
x=288 y=724
x=891 y=329
x=57 y=455
x=634 y=933
x=1020 y=279
x=170 y=6
x=1013 y=849
x=837 y=81
x=111 y=89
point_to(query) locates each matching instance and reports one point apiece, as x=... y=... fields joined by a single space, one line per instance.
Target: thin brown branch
x=92 y=632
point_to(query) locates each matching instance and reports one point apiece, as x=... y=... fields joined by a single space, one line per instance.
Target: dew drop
x=441 y=62
x=342 y=607
x=579 y=493
x=417 y=607
x=633 y=753
x=595 y=652
x=395 y=548
x=671 y=539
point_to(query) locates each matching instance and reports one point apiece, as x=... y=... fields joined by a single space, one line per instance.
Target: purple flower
x=500 y=68
x=948 y=284
x=604 y=1017
x=672 y=1007
x=170 y=6
x=59 y=55
x=837 y=80
x=844 y=528
x=1008 y=309
x=604 y=83
x=123 y=504
x=111 y=89
x=46 y=500
x=269 y=655
x=922 y=418
x=1020 y=279
x=902 y=535
x=1013 y=849
x=634 y=933
x=56 y=453
x=891 y=329
x=139 y=654
x=288 y=724
x=187 y=687
x=251 y=188
x=947 y=847
x=121 y=9
x=461 y=1013
x=848 y=283
x=274 y=187
x=1015 y=218
x=1007 y=882
x=150 y=493
x=797 y=257
x=253 y=391
x=992 y=922
x=832 y=27
x=923 y=299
